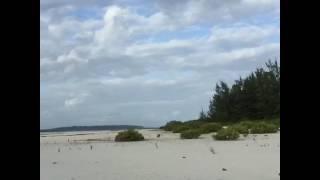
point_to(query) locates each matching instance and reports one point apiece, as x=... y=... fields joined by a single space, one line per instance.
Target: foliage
x=254 y=97
x=193 y=124
x=190 y=134
x=210 y=127
x=129 y=135
x=227 y=134
x=179 y=129
x=263 y=127
x=171 y=125
x=241 y=128
x=203 y=116
x=257 y=126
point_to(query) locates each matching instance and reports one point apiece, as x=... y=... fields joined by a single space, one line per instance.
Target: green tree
x=255 y=97
x=219 y=105
x=203 y=116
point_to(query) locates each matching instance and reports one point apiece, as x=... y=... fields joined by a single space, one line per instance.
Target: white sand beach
x=95 y=156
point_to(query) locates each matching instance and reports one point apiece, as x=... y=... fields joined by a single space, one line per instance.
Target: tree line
x=254 y=97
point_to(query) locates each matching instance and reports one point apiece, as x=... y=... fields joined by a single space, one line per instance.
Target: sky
x=147 y=62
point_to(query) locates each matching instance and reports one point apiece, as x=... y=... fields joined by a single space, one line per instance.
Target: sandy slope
x=164 y=158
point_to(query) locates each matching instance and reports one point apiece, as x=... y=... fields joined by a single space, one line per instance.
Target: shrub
x=194 y=123
x=190 y=134
x=275 y=122
x=263 y=127
x=210 y=127
x=227 y=134
x=247 y=124
x=171 y=125
x=129 y=135
x=242 y=129
x=179 y=129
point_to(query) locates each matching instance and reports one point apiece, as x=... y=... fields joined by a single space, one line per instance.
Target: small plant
x=179 y=129
x=227 y=134
x=190 y=134
x=247 y=124
x=275 y=122
x=129 y=135
x=194 y=123
x=263 y=127
x=210 y=127
x=242 y=129
x=171 y=125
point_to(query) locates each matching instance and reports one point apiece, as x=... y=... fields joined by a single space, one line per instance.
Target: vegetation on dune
x=275 y=122
x=171 y=125
x=240 y=128
x=227 y=134
x=180 y=128
x=129 y=135
x=256 y=127
x=194 y=123
x=244 y=127
x=263 y=127
x=190 y=134
x=210 y=127
x=251 y=105
x=254 y=97
x=248 y=124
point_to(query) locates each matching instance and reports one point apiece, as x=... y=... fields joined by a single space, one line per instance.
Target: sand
x=164 y=158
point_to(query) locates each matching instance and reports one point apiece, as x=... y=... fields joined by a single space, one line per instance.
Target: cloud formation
x=146 y=62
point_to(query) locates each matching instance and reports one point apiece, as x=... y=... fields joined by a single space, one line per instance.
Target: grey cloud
x=204 y=11
x=46 y=5
x=104 y=71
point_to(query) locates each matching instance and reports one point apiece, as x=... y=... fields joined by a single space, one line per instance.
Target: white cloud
x=127 y=66
x=75 y=100
x=175 y=113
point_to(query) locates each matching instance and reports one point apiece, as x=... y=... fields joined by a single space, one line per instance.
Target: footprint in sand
x=212 y=150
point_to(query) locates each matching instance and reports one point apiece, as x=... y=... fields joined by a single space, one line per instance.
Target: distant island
x=92 y=128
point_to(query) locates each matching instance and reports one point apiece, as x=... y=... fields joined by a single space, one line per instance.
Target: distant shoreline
x=94 y=128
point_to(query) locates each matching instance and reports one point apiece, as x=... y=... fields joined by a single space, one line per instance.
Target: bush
x=247 y=124
x=129 y=135
x=210 y=127
x=179 y=129
x=190 y=134
x=227 y=134
x=256 y=127
x=275 y=122
x=171 y=125
x=242 y=129
x=194 y=123
x=178 y=126
x=263 y=127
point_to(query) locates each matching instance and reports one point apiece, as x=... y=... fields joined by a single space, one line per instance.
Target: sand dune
x=97 y=157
